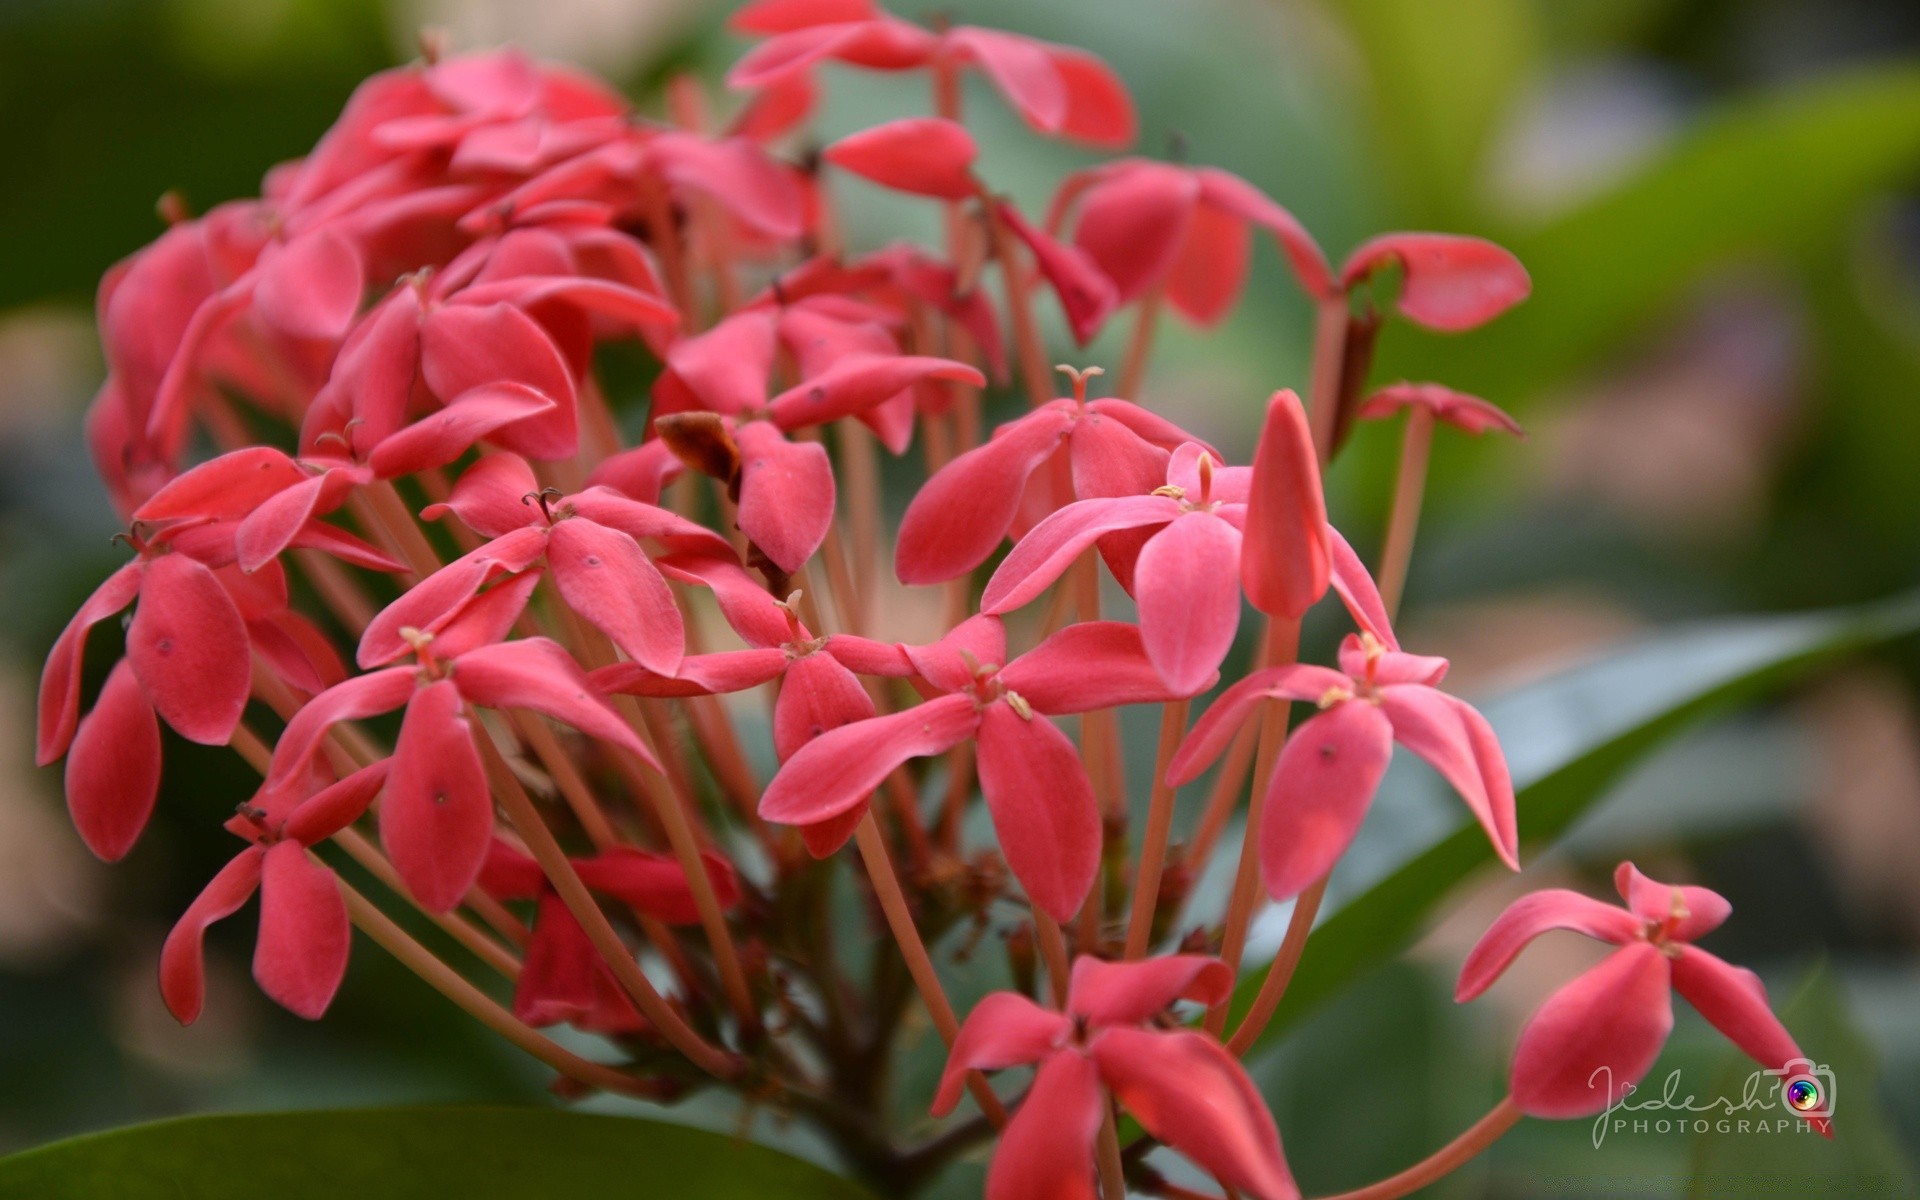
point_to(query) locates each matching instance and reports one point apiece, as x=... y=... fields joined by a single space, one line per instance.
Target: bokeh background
x=1719 y=371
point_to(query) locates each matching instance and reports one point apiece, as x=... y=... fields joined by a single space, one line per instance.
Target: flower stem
x=1053 y=948
x=1026 y=334
x=1153 y=843
x=1329 y=354
x=1409 y=489
x=893 y=905
x=1283 y=645
x=540 y=842
x=1449 y=1158
x=1305 y=907
x=1140 y=345
x=1113 y=1173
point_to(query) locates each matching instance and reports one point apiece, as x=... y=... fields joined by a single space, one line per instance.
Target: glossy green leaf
x=1568 y=739
x=411 y=1154
x=1758 y=176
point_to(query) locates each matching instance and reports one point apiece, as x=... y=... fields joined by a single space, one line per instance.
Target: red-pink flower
x=1186 y=575
x=963 y=512
x=1447 y=282
x=1037 y=792
x=1599 y=1035
x=436 y=817
x=1182 y=1086
x=1187 y=230
x=1458 y=409
x=1055 y=89
x=1325 y=778
x=301 y=954
x=1286 y=562
x=563 y=978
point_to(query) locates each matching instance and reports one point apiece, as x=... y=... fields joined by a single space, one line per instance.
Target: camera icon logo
x=1806 y=1088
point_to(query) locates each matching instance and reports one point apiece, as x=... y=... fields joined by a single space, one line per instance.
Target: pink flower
x=1599 y=1035
x=1468 y=413
x=1055 y=89
x=1287 y=562
x=963 y=512
x=1149 y=224
x=1037 y=792
x=301 y=954
x=1447 y=282
x=1325 y=778
x=436 y=817
x=1182 y=1086
x=718 y=417
x=1186 y=577
x=271 y=502
x=563 y=978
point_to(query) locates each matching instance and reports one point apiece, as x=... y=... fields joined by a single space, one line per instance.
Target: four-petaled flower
x=1598 y=1036
x=1182 y=1085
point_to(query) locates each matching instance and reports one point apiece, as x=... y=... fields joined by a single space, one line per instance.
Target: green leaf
x=1568 y=739
x=390 y=1154
x=1761 y=175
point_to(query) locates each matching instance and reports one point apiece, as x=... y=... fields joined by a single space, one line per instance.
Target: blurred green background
x=1719 y=371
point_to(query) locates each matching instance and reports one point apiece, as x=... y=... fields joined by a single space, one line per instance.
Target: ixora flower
x=1326 y=776
x=1055 y=89
x=1599 y=1035
x=1470 y=414
x=564 y=979
x=1181 y=1085
x=1036 y=789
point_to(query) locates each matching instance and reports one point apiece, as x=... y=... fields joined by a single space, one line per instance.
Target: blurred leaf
x=1568 y=739
x=1443 y=76
x=1864 y=1157
x=1763 y=173
x=386 y=1154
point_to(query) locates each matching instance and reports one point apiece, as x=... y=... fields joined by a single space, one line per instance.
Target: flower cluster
x=396 y=353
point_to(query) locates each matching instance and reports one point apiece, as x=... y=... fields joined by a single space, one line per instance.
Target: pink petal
x=366 y=397
x=1087 y=296
x=113 y=774
x=509 y=873
x=1021 y=68
x=1283 y=563
x=1448 y=282
x=1694 y=911
x=817 y=694
x=1087 y=666
x=1735 y=1001
x=655 y=884
x=1595 y=1036
x=785 y=16
x=492 y=497
x=59 y=707
x=835 y=772
x=1044 y=812
x=1389 y=667
x=188 y=645
x=301 y=955
x=487 y=619
x=362 y=696
x=926 y=156
x=966 y=508
x=1235 y=195
x=1132 y=222
x=1188 y=1092
x=642 y=521
x=557 y=979
x=1527 y=918
x=1004 y=1030
x=753 y=614
x=463 y=347
x=857 y=382
x=1208 y=738
x=538 y=674
x=1046 y=1150
x=738 y=175
x=337 y=805
x=1459 y=744
x=436 y=600
x=310 y=287
x=1146 y=425
x=786 y=494
x=1462 y=411
x=224 y=488
x=1099 y=110
x=1134 y=993
x=273 y=524
x=864 y=656
x=698 y=674
x=944 y=664
x=436 y=819
x=1211 y=267
x=604 y=576
x=443 y=436
x=727 y=367
x=1187 y=582
x=183 y=979
x=1354 y=584
x=1052 y=546
x=1323 y=784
